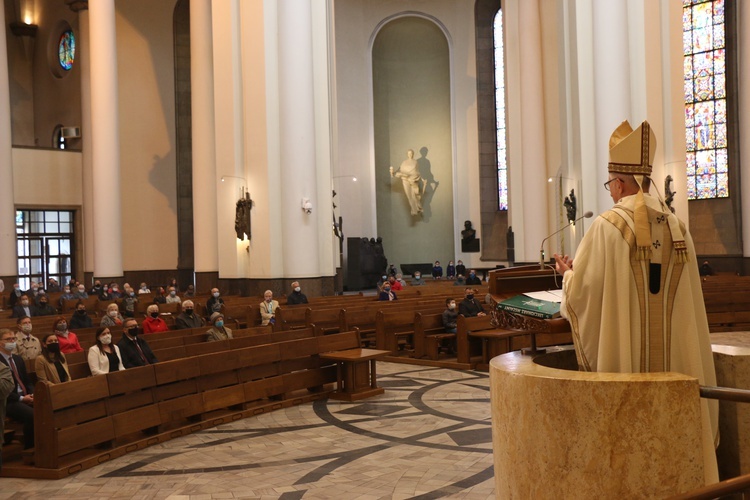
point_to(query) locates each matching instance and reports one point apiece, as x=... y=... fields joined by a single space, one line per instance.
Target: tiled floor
x=428 y=436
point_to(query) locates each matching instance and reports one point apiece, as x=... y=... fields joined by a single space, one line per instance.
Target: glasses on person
x=606 y=184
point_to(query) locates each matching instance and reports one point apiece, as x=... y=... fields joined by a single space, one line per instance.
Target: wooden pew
x=85 y=422
x=429 y=333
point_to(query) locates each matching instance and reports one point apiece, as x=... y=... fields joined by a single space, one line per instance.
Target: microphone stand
x=541 y=247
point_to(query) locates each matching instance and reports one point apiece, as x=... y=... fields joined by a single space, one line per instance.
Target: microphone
x=587 y=215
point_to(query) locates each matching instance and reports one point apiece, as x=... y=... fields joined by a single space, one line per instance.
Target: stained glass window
x=502 y=150
x=704 y=50
x=66 y=50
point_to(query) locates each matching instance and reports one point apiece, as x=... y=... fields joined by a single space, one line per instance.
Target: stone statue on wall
x=412 y=181
x=668 y=193
x=571 y=205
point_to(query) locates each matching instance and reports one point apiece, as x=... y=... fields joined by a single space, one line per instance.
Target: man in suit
x=24 y=307
x=19 y=404
x=134 y=351
x=6 y=386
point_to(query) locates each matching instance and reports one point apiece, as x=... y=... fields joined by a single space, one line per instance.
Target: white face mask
x=216 y=294
x=452 y=306
x=112 y=314
x=297 y=289
x=106 y=339
x=26 y=328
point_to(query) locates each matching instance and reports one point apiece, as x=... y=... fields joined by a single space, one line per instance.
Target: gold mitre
x=632 y=151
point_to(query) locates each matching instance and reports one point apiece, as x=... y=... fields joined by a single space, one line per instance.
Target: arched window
x=704 y=49
x=500 y=121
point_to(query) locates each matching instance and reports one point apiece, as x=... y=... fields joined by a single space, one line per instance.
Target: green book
x=521 y=304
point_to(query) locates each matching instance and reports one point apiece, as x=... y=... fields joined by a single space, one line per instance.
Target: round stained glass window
x=66 y=50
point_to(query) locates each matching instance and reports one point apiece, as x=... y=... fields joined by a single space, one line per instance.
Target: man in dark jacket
x=134 y=351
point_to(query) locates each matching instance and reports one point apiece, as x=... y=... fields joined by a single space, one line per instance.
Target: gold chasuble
x=634 y=301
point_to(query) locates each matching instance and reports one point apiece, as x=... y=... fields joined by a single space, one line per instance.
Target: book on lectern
x=531 y=306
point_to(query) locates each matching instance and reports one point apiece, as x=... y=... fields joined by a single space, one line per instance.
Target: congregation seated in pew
x=19 y=403
x=134 y=350
x=104 y=356
x=51 y=364
x=113 y=316
x=268 y=308
x=218 y=332
x=386 y=293
x=296 y=297
x=80 y=318
x=153 y=322
x=27 y=345
x=450 y=316
x=67 y=339
x=470 y=306
x=44 y=308
x=188 y=317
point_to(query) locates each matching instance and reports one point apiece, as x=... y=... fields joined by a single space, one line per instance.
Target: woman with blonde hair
x=113 y=316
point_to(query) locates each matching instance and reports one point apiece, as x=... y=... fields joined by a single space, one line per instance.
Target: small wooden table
x=353 y=380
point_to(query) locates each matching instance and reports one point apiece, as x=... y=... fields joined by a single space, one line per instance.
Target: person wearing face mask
x=153 y=322
x=113 y=317
x=460 y=281
x=417 y=279
x=68 y=340
x=80 y=293
x=44 y=309
x=188 y=318
x=172 y=297
x=15 y=295
x=80 y=318
x=24 y=308
x=450 y=316
x=296 y=297
x=27 y=346
x=114 y=291
x=450 y=271
x=134 y=351
x=437 y=271
x=66 y=295
x=143 y=289
x=470 y=306
x=129 y=301
x=96 y=289
x=104 y=356
x=268 y=308
x=51 y=365
x=473 y=279
x=386 y=293
x=395 y=285
x=219 y=331
x=460 y=268
x=19 y=405
x=6 y=386
x=215 y=303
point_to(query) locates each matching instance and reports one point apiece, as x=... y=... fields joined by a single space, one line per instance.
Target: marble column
x=299 y=230
x=84 y=63
x=7 y=206
x=611 y=84
x=743 y=62
x=105 y=140
x=203 y=140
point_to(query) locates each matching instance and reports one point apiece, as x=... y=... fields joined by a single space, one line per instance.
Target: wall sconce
x=24 y=26
x=307 y=205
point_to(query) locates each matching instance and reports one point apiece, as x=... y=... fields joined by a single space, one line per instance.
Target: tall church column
x=297 y=140
x=203 y=140
x=533 y=140
x=105 y=141
x=743 y=62
x=8 y=263
x=611 y=86
x=84 y=64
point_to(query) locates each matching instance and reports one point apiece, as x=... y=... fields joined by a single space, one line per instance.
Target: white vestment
x=619 y=325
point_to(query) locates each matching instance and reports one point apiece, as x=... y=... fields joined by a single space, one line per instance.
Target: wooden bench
x=429 y=334
x=85 y=422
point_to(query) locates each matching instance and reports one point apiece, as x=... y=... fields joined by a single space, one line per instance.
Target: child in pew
x=219 y=331
x=153 y=322
x=51 y=365
x=104 y=357
x=450 y=316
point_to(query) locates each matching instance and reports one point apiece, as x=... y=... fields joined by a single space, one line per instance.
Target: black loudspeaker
x=366 y=263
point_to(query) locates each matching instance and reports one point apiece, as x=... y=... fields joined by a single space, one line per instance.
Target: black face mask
x=81 y=312
x=154 y=315
x=133 y=332
x=189 y=312
x=470 y=296
x=54 y=348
